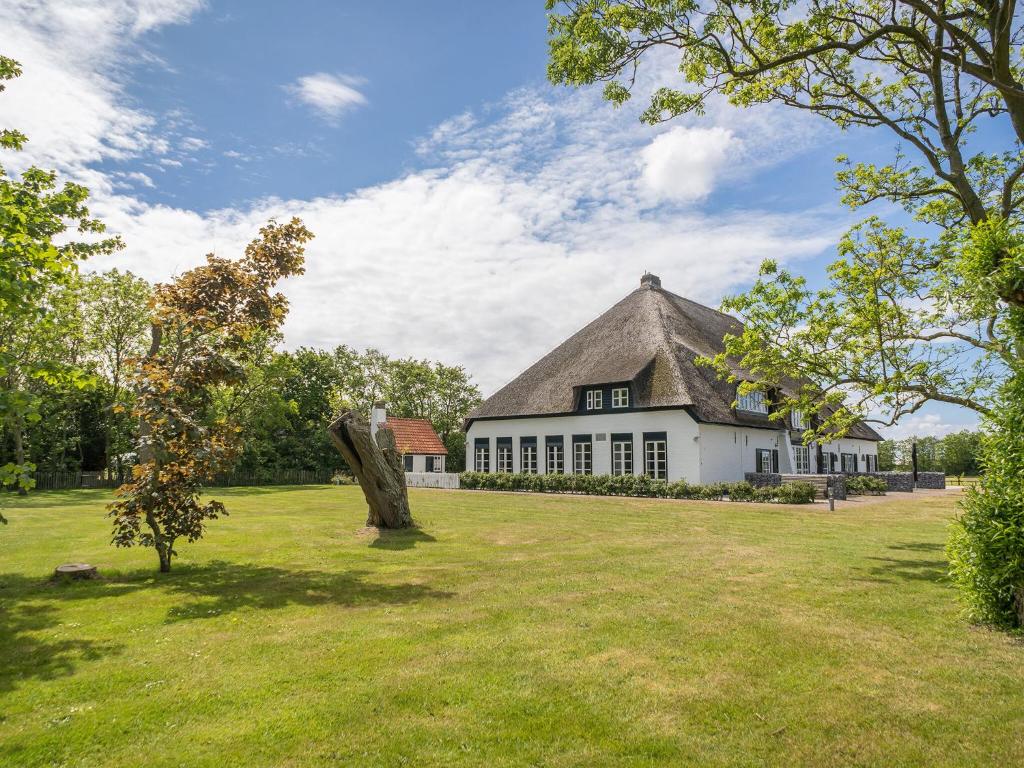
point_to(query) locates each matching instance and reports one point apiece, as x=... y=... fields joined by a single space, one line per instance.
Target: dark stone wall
x=897 y=482
x=838 y=485
x=931 y=480
x=763 y=479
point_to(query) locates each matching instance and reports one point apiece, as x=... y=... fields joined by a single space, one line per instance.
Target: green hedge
x=636 y=485
x=862 y=485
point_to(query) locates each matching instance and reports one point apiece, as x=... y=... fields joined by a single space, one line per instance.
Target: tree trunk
x=378 y=468
x=163 y=547
x=19 y=453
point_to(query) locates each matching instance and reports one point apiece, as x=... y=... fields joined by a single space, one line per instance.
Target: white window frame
x=620 y=397
x=752 y=402
x=761 y=455
x=802 y=459
x=797 y=418
x=556 y=459
x=595 y=399
x=528 y=458
x=622 y=457
x=843 y=465
x=482 y=458
x=437 y=463
x=583 y=458
x=503 y=462
x=656 y=459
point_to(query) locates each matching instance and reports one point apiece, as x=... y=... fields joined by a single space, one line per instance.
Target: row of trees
x=98 y=326
x=955 y=454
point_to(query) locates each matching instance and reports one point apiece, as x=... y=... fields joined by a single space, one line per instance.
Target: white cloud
x=683 y=163
x=329 y=95
x=931 y=425
x=529 y=217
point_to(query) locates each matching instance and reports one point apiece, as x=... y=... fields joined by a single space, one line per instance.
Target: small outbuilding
x=421 y=448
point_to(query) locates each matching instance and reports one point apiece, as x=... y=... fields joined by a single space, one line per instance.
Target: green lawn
x=508 y=630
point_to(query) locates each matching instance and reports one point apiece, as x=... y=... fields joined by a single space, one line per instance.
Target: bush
x=861 y=485
x=636 y=486
x=986 y=545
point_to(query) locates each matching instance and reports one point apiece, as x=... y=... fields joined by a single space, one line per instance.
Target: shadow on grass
x=35 y=643
x=909 y=569
x=222 y=587
x=405 y=538
x=919 y=546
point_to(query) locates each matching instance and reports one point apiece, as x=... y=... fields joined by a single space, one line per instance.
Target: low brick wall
x=936 y=480
x=763 y=479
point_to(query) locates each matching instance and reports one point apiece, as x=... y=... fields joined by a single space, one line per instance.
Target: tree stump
x=75 y=571
x=378 y=468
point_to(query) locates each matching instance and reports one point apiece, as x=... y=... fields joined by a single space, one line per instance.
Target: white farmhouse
x=624 y=396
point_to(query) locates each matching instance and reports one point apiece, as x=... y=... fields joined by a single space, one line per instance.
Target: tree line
x=98 y=327
x=957 y=454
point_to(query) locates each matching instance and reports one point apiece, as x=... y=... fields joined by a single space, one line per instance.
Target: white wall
x=849 y=445
x=729 y=452
x=419 y=462
x=681 y=429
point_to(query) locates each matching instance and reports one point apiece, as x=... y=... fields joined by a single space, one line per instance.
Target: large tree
x=38 y=256
x=116 y=320
x=202 y=325
x=906 y=317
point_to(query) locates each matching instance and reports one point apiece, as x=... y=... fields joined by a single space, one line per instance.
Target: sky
x=465 y=210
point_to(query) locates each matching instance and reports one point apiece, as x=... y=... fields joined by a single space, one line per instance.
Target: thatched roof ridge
x=651 y=339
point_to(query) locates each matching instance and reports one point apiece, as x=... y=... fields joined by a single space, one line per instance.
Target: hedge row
x=636 y=485
x=865 y=485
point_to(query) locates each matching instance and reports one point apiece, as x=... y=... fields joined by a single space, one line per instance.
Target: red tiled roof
x=415 y=436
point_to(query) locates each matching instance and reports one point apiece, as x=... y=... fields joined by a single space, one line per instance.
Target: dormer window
x=620 y=397
x=595 y=399
x=752 y=402
x=798 y=420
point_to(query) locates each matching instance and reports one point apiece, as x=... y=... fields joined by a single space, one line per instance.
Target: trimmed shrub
x=636 y=486
x=861 y=485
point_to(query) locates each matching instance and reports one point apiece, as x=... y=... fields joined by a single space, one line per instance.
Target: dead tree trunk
x=378 y=468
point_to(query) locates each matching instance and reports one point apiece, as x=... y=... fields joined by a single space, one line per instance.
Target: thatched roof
x=651 y=339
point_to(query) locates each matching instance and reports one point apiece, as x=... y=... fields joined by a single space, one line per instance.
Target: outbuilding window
x=620 y=397
x=407 y=462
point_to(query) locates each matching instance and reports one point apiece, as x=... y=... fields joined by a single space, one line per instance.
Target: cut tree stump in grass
x=377 y=466
x=75 y=571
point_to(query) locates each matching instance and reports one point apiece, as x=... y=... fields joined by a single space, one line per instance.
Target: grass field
x=507 y=630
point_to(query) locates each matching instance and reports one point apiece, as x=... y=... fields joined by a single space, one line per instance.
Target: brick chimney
x=378 y=415
x=650 y=281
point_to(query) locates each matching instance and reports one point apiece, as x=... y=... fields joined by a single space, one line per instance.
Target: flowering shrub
x=636 y=485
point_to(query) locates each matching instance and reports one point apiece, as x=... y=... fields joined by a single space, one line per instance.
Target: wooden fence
x=53 y=481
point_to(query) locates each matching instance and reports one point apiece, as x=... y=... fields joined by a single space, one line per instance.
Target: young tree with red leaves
x=201 y=325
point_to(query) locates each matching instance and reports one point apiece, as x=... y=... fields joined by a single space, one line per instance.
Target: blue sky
x=465 y=210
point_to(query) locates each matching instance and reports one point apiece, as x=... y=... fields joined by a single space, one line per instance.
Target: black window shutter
x=430 y=464
x=855 y=463
x=775 y=461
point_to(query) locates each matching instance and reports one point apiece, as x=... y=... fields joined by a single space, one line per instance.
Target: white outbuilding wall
x=419 y=462
x=680 y=428
x=727 y=452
